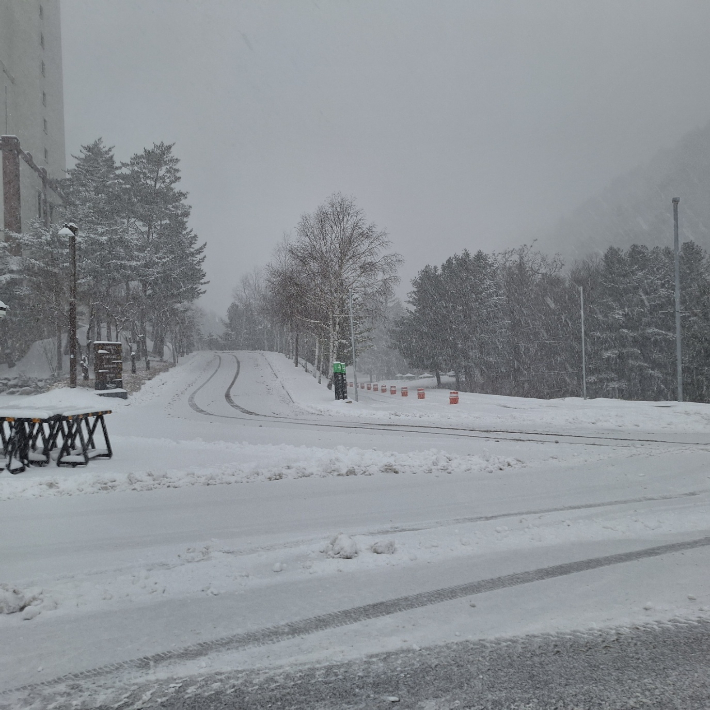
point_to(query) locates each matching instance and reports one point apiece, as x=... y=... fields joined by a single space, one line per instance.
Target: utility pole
x=678 y=352
x=584 y=359
x=352 y=338
x=70 y=230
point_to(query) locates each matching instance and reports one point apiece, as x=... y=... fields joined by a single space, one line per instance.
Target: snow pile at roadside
x=268 y=463
x=14 y=600
x=342 y=546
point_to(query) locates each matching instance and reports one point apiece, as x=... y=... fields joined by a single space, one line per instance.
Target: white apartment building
x=31 y=111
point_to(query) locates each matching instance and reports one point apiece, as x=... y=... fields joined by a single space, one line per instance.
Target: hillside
x=636 y=207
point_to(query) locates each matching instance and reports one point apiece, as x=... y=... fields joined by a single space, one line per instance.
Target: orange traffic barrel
x=453 y=397
x=393 y=389
x=405 y=392
x=375 y=388
x=362 y=385
x=369 y=386
x=420 y=393
x=350 y=384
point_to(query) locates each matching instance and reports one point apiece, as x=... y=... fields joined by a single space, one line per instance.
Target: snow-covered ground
x=495 y=412
x=340 y=504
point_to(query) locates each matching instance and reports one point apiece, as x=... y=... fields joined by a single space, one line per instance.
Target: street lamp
x=70 y=230
x=352 y=337
x=678 y=352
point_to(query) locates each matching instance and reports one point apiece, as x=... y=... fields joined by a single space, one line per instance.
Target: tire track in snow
x=278 y=378
x=191 y=398
x=228 y=393
x=542 y=511
x=366 y=612
x=433 y=525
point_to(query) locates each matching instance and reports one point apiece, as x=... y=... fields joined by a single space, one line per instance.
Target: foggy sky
x=454 y=125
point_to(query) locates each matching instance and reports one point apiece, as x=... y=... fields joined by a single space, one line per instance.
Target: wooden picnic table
x=33 y=435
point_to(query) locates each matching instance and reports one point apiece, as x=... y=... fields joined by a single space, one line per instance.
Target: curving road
x=228 y=365
x=619 y=537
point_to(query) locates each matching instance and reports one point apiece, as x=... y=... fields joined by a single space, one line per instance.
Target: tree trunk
x=159 y=342
x=59 y=345
x=92 y=325
x=438 y=379
x=468 y=376
x=295 y=351
x=316 y=360
x=331 y=344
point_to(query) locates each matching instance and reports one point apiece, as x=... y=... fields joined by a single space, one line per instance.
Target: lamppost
x=70 y=230
x=678 y=352
x=352 y=338
x=584 y=356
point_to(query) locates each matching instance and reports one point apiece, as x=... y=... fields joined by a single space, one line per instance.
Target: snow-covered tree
x=166 y=260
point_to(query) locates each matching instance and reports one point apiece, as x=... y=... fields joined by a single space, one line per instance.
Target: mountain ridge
x=635 y=208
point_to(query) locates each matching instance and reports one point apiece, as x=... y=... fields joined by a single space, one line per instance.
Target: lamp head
x=68 y=230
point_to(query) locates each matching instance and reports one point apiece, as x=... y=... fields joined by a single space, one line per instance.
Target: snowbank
x=253 y=463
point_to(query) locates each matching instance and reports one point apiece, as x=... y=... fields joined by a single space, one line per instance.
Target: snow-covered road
x=233 y=473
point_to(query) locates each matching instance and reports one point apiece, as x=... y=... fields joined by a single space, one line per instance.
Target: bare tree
x=337 y=252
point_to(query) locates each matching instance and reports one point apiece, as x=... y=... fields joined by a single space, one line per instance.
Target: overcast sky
x=453 y=124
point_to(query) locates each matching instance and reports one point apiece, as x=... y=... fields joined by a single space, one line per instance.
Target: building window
x=42 y=68
x=44 y=98
x=41 y=40
x=46 y=155
x=45 y=124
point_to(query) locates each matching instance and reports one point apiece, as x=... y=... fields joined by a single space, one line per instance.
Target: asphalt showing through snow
x=346 y=617
x=659 y=666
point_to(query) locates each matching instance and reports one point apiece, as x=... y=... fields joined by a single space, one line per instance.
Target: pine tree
x=167 y=261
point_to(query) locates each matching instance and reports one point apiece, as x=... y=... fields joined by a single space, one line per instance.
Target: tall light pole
x=70 y=230
x=584 y=358
x=678 y=352
x=352 y=339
